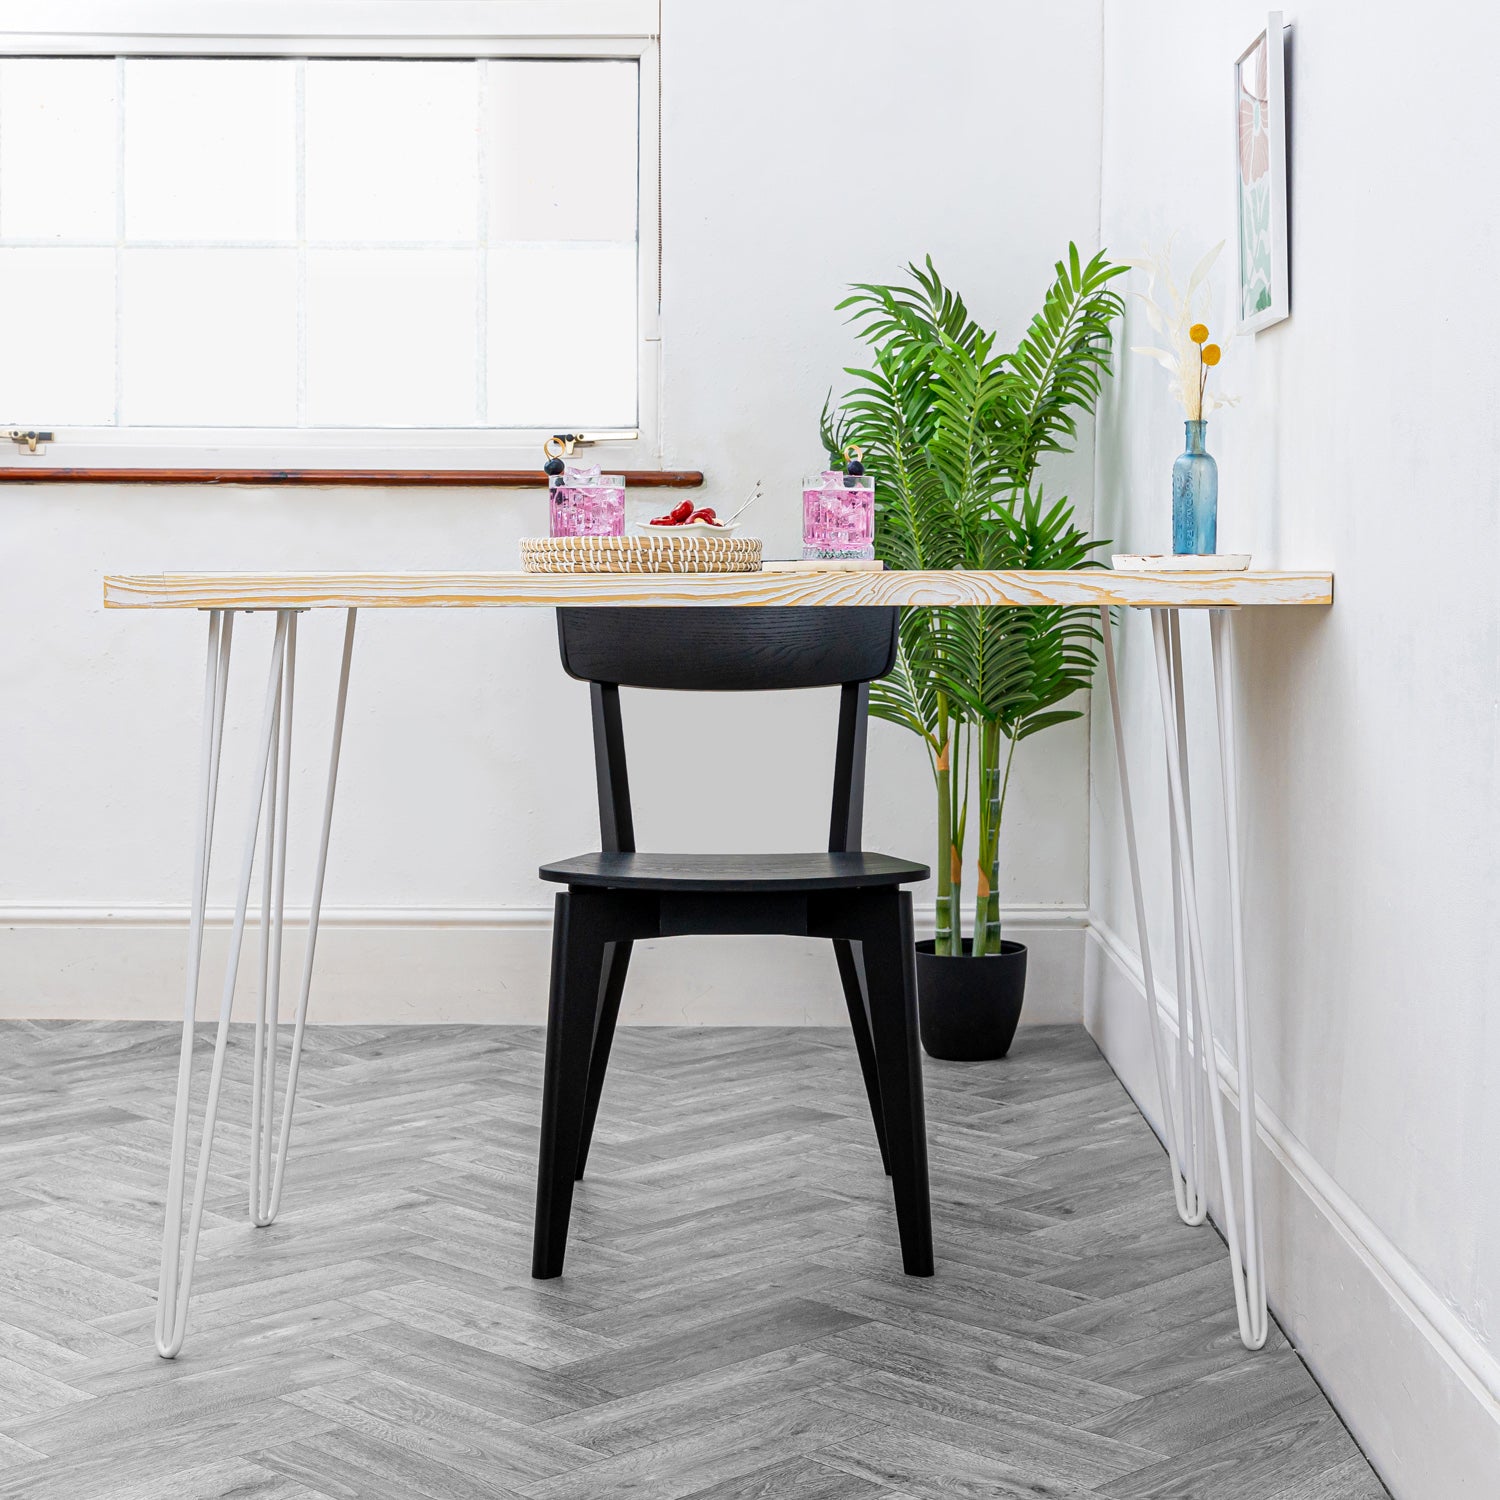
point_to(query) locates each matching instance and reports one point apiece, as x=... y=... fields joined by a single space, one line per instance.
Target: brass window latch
x=572 y=440
x=28 y=439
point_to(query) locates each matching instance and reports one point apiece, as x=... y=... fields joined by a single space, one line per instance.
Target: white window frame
x=627 y=30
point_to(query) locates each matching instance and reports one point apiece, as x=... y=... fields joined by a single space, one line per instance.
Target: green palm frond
x=831 y=430
x=1059 y=641
x=908 y=695
x=1060 y=364
x=890 y=316
x=953 y=431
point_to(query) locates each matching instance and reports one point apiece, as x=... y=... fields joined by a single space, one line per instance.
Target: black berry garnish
x=854 y=467
x=553 y=466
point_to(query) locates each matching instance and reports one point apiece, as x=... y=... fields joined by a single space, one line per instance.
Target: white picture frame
x=1263 y=291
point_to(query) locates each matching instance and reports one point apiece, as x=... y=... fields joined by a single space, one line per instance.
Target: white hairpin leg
x=1189 y=1198
x=270 y=786
x=1252 y=1318
x=1193 y=1205
x=272 y=926
x=216 y=680
x=273 y=1178
x=1254 y=1251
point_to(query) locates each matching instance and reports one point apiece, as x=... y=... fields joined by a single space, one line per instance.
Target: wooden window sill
x=501 y=479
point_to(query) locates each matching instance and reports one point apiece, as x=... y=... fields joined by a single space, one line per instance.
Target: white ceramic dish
x=1172 y=562
x=687 y=528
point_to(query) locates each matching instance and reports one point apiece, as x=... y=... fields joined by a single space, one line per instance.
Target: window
x=409 y=251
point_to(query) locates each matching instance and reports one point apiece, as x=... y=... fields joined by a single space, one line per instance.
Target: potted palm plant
x=953 y=430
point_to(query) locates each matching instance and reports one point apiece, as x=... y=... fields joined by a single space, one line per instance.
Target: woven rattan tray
x=640 y=554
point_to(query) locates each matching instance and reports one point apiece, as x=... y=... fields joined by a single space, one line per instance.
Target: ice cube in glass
x=838 y=515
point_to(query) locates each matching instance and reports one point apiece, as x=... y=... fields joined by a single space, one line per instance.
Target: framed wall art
x=1261 y=178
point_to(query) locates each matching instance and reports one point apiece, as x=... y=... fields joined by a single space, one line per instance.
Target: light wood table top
x=1094 y=586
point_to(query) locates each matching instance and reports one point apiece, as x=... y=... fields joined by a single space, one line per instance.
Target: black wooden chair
x=617 y=895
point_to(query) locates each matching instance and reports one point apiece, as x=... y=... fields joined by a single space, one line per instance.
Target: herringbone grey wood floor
x=733 y=1322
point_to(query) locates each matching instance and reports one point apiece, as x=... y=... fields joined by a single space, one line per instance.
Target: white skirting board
x=1419 y=1392
x=392 y=966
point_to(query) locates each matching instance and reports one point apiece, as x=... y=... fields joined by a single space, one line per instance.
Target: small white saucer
x=687 y=528
x=1174 y=562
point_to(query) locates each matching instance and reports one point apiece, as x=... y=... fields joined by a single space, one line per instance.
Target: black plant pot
x=968 y=1008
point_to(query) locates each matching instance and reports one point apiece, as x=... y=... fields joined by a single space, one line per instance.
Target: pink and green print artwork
x=1255 y=182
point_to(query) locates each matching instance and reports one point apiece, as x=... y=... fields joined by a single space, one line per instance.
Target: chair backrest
x=717 y=649
x=713 y=649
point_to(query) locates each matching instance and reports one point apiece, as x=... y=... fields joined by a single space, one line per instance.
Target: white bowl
x=687 y=528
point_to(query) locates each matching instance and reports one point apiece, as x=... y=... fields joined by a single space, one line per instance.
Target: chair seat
x=733 y=872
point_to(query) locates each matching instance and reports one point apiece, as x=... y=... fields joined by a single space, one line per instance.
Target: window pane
x=562 y=150
x=392 y=150
x=359 y=243
x=57 y=148
x=59 y=364
x=391 y=338
x=209 y=338
x=210 y=150
x=562 y=335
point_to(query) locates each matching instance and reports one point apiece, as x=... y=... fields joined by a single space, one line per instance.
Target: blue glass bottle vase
x=1195 y=497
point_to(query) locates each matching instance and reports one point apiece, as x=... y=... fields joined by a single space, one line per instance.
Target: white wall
x=1366 y=441
x=805 y=147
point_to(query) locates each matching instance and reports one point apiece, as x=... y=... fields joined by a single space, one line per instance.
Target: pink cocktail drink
x=584 y=502
x=838 y=515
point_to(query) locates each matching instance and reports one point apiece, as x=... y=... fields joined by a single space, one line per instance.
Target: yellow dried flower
x=1211 y=354
x=1198 y=332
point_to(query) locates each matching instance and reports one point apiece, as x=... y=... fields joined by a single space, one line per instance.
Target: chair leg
x=851 y=966
x=577 y=967
x=891 y=975
x=616 y=962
